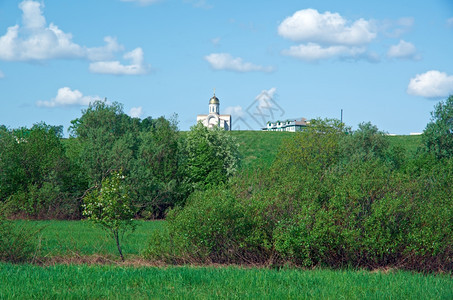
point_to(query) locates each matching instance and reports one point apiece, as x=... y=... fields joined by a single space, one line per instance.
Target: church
x=214 y=118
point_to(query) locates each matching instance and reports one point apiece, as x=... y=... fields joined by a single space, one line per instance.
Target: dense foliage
x=210 y=157
x=438 y=134
x=333 y=197
x=35 y=175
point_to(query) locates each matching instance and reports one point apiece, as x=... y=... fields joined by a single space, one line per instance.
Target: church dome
x=214 y=100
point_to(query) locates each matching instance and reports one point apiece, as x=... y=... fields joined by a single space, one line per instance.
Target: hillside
x=259 y=148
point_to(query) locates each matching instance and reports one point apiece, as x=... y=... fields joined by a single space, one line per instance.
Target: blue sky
x=388 y=62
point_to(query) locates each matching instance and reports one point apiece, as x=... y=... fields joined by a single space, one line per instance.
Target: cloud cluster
x=224 y=61
x=432 y=84
x=35 y=41
x=308 y=25
x=329 y=35
x=136 y=67
x=67 y=97
x=325 y=35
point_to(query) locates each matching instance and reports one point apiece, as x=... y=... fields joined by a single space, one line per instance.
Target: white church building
x=214 y=118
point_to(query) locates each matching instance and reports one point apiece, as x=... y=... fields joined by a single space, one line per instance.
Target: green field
x=88 y=282
x=81 y=238
x=259 y=148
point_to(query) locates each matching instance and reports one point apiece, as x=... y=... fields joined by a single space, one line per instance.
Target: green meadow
x=81 y=238
x=189 y=282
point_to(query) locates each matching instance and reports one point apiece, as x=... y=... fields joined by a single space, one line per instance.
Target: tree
x=438 y=134
x=34 y=171
x=155 y=173
x=314 y=149
x=111 y=208
x=108 y=139
x=212 y=156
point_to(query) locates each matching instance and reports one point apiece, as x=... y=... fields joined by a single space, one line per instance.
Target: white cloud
x=137 y=66
x=450 y=22
x=136 y=112
x=67 y=97
x=235 y=111
x=403 y=50
x=37 y=41
x=309 y=25
x=327 y=35
x=2 y=75
x=432 y=84
x=224 y=61
x=142 y=2
x=34 y=41
x=314 y=52
x=105 y=52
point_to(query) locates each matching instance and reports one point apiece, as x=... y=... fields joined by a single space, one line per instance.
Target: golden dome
x=214 y=100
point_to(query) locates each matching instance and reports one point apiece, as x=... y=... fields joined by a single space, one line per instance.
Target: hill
x=259 y=148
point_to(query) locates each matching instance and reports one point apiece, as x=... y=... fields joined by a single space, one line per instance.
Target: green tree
x=314 y=149
x=34 y=171
x=155 y=175
x=111 y=207
x=212 y=156
x=438 y=134
x=108 y=139
x=365 y=143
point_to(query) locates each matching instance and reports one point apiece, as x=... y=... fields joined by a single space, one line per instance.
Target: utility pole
x=341 y=116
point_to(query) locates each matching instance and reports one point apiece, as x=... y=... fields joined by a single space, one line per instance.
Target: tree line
x=43 y=175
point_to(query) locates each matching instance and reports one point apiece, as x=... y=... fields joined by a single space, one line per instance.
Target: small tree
x=438 y=134
x=111 y=208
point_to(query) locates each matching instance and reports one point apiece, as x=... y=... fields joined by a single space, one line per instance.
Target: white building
x=214 y=118
x=288 y=125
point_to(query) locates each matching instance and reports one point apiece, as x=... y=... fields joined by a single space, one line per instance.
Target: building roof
x=214 y=100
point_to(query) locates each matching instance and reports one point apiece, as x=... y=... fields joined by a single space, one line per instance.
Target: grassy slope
x=82 y=281
x=259 y=148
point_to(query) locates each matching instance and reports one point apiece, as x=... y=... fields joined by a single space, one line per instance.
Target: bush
x=312 y=208
x=17 y=244
x=213 y=227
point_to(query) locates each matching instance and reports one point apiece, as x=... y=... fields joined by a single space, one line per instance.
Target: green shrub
x=313 y=208
x=17 y=243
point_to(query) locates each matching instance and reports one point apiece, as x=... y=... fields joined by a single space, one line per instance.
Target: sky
x=384 y=62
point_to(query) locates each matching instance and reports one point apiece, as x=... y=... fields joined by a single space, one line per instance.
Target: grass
x=409 y=142
x=78 y=238
x=88 y=282
x=259 y=148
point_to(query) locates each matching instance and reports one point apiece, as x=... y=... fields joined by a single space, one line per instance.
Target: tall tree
x=108 y=139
